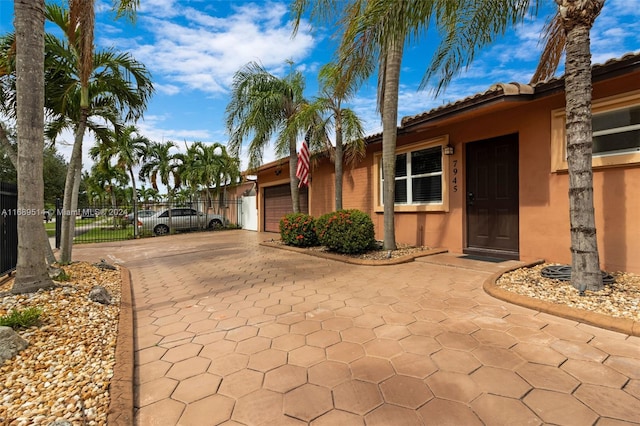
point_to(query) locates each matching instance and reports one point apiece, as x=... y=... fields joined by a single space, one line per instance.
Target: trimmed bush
x=298 y=229
x=346 y=231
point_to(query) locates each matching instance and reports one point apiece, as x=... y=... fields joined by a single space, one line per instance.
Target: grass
x=104 y=234
x=21 y=318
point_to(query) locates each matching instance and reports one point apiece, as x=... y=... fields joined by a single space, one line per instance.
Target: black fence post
x=58 y=221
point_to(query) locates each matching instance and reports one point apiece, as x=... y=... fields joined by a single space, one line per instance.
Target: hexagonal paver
x=413 y=365
x=156 y=390
x=398 y=318
x=338 y=417
x=241 y=383
x=368 y=320
x=267 y=360
x=196 y=387
x=459 y=341
x=547 y=377
x=345 y=352
x=182 y=352
x=390 y=331
x=494 y=338
x=497 y=357
x=307 y=402
x=253 y=345
x=454 y=386
x=633 y=388
x=421 y=345
x=501 y=382
x=285 y=378
x=608 y=402
x=405 y=391
x=226 y=365
x=306 y=356
x=242 y=333
x=152 y=370
x=357 y=335
x=460 y=326
x=443 y=412
x=425 y=328
x=371 y=369
x=539 y=354
x=630 y=367
x=259 y=407
x=329 y=373
x=455 y=361
x=217 y=349
x=165 y=411
x=305 y=327
x=393 y=415
x=494 y=409
x=579 y=351
x=288 y=342
x=356 y=396
x=383 y=348
x=273 y=330
x=559 y=408
x=323 y=338
x=594 y=373
x=188 y=368
x=337 y=324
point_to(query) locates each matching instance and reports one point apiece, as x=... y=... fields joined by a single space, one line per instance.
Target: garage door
x=277 y=203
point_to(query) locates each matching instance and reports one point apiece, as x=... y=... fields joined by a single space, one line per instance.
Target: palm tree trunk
x=338 y=162
x=393 y=61
x=293 y=179
x=135 y=203
x=68 y=211
x=585 y=260
x=31 y=268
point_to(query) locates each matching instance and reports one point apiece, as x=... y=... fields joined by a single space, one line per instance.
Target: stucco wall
x=543 y=194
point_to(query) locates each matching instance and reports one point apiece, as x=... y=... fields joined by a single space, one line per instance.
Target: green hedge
x=346 y=231
x=298 y=229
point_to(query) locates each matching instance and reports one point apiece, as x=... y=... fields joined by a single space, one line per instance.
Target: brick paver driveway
x=230 y=332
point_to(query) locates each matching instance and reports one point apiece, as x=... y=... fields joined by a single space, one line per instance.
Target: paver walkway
x=230 y=332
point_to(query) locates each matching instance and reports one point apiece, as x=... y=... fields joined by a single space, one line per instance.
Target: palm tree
x=160 y=164
x=31 y=268
x=106 y=176
x=102 y=83
x=335 y=88
x=265 y=106
x=128 y=147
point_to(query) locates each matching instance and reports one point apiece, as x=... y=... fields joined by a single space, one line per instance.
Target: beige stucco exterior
x=543 y=186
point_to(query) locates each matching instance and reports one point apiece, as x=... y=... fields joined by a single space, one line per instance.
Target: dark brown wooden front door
x=277 y=203
x=492 y=197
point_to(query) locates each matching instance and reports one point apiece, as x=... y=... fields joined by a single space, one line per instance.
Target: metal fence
x=102 y=223
x=8 y=227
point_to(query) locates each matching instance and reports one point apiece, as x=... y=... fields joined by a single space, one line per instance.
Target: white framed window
x=420 y=177
x=616 y=132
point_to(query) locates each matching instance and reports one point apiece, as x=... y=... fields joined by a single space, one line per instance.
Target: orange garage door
x=277 y=203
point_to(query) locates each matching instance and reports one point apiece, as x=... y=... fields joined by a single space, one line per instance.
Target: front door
x=492 y=197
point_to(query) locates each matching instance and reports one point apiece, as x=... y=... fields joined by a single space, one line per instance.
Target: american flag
x=302 y=172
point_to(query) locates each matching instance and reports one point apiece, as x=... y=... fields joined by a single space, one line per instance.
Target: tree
x=336 y=88
x=126 y=147
x=103 y=83
x=31 y=268
x=265 y=106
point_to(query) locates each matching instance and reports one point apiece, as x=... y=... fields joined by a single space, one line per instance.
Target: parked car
x=182 y=218
x=141 y=214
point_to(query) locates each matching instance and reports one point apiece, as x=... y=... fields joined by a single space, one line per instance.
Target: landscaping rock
x=10 y=344
x=104 y=265
x=100 y=294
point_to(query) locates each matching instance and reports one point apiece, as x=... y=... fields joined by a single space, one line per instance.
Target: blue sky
x=193 y=48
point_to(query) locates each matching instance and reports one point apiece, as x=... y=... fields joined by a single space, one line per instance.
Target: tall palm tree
x=96 y=83
x=335 y=88
x=262 y=107
x=107 y=176
x=127 y=147
x=31 y=268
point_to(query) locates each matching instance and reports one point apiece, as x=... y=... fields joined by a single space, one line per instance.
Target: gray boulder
x=10 y=344
x=100 y=294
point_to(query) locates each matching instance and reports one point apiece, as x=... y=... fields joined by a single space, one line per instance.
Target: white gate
x=249 y=213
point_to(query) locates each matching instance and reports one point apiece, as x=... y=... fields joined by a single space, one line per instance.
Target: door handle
x=470 y=198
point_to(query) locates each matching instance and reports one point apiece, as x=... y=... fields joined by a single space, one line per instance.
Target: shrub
x=298 y=229
x=24 y=318
x=346 y=231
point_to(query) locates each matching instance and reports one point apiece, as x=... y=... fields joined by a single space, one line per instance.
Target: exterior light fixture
x=448 y=149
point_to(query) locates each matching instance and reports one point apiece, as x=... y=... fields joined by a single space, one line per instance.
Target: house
x=487 y=175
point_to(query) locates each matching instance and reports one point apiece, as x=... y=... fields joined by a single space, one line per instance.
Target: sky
x=193 y=48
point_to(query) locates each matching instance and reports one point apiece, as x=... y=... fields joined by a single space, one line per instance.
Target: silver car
x=179 y=219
